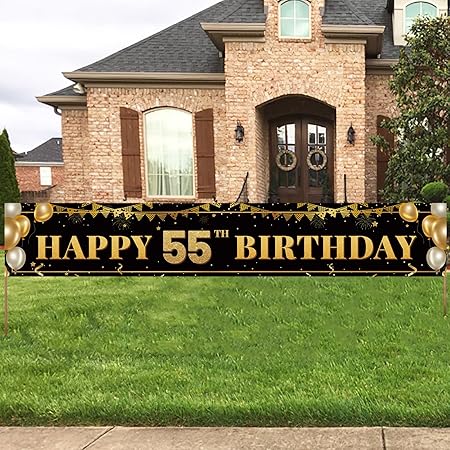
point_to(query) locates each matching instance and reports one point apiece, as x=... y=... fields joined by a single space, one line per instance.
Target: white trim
x=146 y=77
x=233 y=32
x=63 y=100
x=38 y=164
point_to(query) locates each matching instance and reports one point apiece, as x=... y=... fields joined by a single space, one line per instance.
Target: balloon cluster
x=434 y=226
x=17 y=227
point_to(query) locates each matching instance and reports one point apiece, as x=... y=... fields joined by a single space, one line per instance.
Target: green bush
x=9 y=190
x=434 y=192
x=447 y=200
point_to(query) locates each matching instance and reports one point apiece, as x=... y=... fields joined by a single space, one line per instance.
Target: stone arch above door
x=296 y=144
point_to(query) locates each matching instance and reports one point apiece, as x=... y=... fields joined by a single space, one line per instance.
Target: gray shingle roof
x=183 y=47
x=48 y=152
x=186 y=48
x=250 y=11
x=345 y=12
x=362 y=12
x=66 y=91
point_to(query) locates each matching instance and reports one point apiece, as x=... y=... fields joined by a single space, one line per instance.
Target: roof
x=183 y=47
x=67 y=91
x=186 y=48
x=48 y=152
x=363 y=12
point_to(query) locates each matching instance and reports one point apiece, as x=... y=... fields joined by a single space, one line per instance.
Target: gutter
x=371 y=34
x=219 y=33
x=380 y=66
x=63 y=100
x=146 y=77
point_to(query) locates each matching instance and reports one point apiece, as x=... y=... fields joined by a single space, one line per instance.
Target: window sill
x=171 y=199
x=292 y=39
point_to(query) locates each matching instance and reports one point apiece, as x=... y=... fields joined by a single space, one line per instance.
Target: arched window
x=295 y=19
x=414 y=10
x=169 y=153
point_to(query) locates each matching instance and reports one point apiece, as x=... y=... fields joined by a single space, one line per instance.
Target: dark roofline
x=149 y=38
x=49 y=153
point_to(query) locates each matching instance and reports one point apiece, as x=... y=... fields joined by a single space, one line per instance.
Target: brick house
x=40 y=172
x=287 y=91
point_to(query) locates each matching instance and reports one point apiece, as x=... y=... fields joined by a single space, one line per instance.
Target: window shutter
x=383 y=157
x=204 y=131
x=131 y=157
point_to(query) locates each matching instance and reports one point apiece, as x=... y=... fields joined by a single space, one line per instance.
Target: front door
x=301 y=161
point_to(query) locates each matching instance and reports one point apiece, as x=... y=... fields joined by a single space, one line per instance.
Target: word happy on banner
x=226 y=239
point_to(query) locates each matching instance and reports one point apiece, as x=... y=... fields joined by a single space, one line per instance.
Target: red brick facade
x=29 y=180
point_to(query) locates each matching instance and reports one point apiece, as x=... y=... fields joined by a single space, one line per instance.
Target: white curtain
x=169 y=145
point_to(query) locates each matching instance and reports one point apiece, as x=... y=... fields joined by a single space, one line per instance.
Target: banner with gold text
x=225 y=239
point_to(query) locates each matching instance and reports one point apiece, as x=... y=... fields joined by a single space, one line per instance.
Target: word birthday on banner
x=216 y=239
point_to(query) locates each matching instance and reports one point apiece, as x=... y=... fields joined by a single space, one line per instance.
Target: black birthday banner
x=222 y=239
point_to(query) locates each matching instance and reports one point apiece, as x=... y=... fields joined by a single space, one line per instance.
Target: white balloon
x=16 y=258
x=436 y=258
x=439 y=209
x=13 y=210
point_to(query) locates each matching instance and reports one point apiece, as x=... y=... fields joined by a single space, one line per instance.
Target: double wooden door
x=301 y=160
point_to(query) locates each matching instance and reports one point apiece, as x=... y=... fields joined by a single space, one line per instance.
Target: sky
x=40 y=39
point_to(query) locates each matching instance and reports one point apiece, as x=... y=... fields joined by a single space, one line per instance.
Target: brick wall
x=104 y=158
x=77 y=185
x=331 y=73
x=29 y=180
x=379 y=102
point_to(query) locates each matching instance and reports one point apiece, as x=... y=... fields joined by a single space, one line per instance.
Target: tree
x=9 y=189
x=421 y=85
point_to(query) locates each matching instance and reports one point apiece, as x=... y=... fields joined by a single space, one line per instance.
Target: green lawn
x=226 y=351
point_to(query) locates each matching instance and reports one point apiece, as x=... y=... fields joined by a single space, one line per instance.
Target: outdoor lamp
x=351 y=135
x=239 y=132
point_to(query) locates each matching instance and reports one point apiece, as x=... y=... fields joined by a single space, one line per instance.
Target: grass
x=226 y=351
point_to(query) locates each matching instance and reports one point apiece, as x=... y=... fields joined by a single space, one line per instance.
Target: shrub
x=434 y=192
x=9 y=190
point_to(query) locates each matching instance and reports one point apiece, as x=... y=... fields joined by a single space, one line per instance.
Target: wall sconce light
x=239 y=132
x=351 y=135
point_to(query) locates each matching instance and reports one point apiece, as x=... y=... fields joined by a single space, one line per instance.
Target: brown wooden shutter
x=131 y=157
x=204 y=130
x=383 y=157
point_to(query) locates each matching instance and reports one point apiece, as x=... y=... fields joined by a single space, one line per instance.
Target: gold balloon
x=427 y=225
x=43 y=212
x=409 y=212
x=439 y=233
x=12 y=233
x=24 y=225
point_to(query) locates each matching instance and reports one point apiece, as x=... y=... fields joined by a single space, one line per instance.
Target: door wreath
x=286 y=160
x=316 y=154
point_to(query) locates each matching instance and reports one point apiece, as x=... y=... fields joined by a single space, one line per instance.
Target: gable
x=183 y=47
